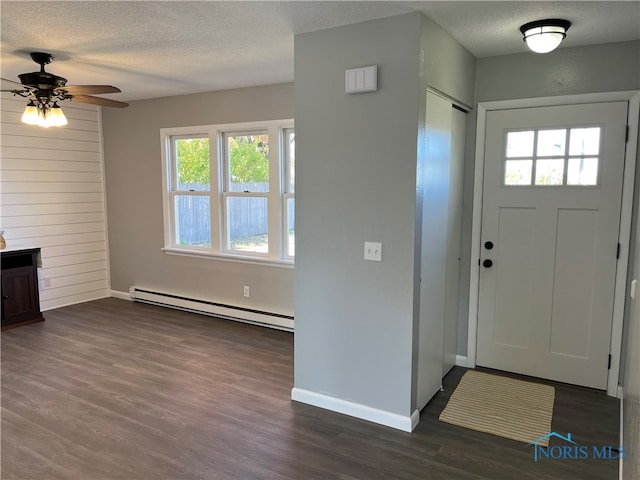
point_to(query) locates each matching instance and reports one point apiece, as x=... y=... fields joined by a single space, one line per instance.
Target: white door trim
x=633 y=97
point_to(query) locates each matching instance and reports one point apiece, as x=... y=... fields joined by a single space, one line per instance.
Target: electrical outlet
x=246 y=291
x=46 y=281
x=373 y=251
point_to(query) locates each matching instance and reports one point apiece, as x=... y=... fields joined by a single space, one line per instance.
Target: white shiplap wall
x=52 y=196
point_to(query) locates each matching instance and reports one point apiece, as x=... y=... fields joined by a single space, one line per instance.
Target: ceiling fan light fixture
x=56 y=117
x=31 y=115
x=44 y=114
x=544 y=36
x=44 y=90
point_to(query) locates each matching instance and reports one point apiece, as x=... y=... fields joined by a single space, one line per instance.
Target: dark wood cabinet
x=20 y=296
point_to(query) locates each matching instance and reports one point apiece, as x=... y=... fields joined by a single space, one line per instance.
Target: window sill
x=230 y=258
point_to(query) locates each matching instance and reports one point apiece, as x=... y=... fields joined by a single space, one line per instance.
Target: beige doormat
x=502 y=406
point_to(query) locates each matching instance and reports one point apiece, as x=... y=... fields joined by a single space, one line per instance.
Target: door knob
x=488 y=245
x=487 y=263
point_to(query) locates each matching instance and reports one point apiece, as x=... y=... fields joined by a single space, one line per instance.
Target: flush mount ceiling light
x=543 y=36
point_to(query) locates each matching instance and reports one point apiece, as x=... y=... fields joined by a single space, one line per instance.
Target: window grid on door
x=552 y=157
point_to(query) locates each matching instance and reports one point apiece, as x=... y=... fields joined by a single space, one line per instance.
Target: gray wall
x=357 y=163
x=445 y=64
x=133 y=170
x=449 y=68
x=356 y=171
x=567 y=71
x=631 y=377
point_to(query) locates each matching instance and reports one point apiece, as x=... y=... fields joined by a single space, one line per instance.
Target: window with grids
x=548 y=157
x=230 y=190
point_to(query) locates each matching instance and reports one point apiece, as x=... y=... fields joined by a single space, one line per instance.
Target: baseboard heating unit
x=229 y=312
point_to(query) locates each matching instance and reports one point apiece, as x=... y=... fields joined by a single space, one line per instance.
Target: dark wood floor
x=116 y=390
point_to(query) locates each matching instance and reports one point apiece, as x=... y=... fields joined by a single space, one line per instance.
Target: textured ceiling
x=153 y=49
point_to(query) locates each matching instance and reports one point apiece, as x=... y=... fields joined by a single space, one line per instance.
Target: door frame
x=624 y=234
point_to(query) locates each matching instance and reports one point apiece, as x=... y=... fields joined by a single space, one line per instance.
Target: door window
x=552 y=157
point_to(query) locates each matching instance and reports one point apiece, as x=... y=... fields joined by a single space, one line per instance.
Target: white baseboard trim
x=621 y=460
x=75 y=302
x=121 y=295
x=381 y=417
x=461 y=361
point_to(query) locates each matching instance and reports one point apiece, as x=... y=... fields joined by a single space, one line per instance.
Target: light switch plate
x=373 y=251
x=360 y=80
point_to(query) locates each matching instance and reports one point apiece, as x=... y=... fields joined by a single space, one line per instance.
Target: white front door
x=550 y=222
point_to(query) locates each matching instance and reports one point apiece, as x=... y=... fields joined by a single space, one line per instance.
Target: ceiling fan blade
x=105 y=102
x=88 y=89
x=16 y=83
x=10 y=81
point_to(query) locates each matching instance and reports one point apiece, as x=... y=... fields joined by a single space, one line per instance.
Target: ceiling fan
x=44 y=90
